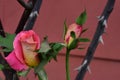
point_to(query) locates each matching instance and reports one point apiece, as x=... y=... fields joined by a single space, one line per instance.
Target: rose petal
x=18 y=48
x=29 y=37
x=15 y=63
x=30 y=34
x=30 y=56
x=77 y=29
x=36 y=39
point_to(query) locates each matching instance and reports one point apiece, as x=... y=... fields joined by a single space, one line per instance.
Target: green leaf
x=65 y=29
x=82 y=18
x=1 y=66
x=41 y=65
x=44 y=46
x=56 y=47
x=23 y=73
x=72 y=34
x=84 y=30
x=84 y=40
x=73 y=44
x=42 y=75
x=7 y=42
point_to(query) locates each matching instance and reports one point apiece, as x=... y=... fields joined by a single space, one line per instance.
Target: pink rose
x=77 y=29
x=24 y=55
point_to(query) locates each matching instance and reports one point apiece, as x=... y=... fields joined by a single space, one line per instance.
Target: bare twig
x=95 y=41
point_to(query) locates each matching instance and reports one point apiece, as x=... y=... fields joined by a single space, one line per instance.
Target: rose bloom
x=77 y=29
x=24 y=56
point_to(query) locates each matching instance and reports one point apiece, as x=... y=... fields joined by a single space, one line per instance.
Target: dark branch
x=27 y=21
x=28 y=5
x=24 y=18
x=95 y=41
x=10 y=74
x=33 y=15
x=2 y=33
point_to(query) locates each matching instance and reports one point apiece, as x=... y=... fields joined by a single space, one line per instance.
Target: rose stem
x=67 y=65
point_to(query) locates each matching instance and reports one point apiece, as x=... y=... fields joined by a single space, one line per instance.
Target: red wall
x=50 y=22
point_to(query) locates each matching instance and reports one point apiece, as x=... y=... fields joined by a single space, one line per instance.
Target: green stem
x=67 y=65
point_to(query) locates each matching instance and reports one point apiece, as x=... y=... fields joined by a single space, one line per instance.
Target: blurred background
x=106 y=62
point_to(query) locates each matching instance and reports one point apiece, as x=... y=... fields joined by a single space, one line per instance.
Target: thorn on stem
x=35 y=13
x=80 y=67
x=105 y=23
x=89 y=70
x=101 y=40
x=100 y=18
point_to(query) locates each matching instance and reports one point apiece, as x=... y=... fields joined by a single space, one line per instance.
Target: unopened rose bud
x=77 y=29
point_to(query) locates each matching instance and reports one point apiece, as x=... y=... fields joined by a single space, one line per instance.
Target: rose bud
x=76 y=29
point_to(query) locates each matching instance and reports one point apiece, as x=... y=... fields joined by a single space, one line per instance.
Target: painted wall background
x=105 y=65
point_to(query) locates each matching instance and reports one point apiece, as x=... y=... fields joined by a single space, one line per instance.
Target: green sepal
x=40 y=66
x=42 y=75
x=23 y=73
x=7 y=42
x=82 y=18
x=72 y=34
x=51 y=54
x=65 y=29
x=43 y=56
x=84 y=30
x=73 y=44
x=56 y=47
x=44 y=46
x=53 y=51
x=84 y=40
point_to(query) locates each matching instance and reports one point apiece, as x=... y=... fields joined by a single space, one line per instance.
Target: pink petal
x=30 y=56
x=15 y=63
x=36 y=39
x=75 y=28
x=18 y=48
x=25 y=36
